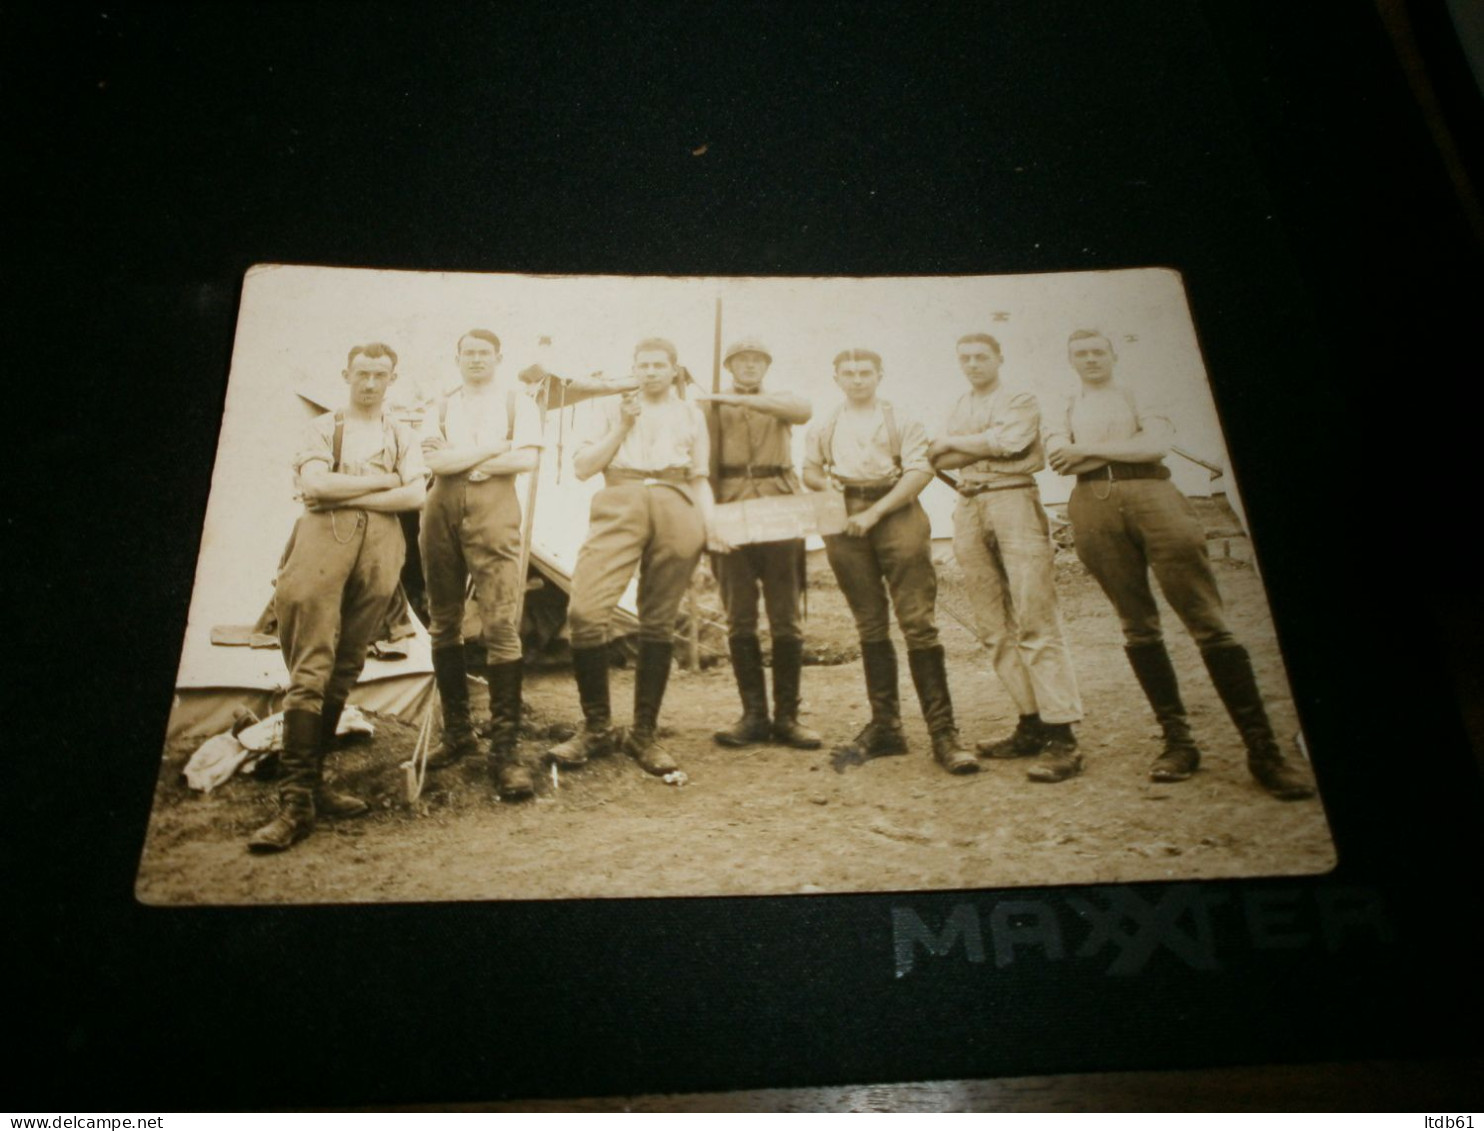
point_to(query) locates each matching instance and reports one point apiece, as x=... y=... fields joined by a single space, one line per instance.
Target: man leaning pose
x=878 y=457
x=355 y=469
x=653 y=514
x=755 y=429
x=475 y=442
x=1128 y=519
x=1002 y=541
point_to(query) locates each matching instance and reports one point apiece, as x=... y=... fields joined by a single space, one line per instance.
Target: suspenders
x=337 y=444
x=893 y=439
x=510 y=396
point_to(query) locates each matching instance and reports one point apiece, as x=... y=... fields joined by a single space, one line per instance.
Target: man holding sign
x=754 y=431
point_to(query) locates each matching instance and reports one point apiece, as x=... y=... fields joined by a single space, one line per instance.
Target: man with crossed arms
x=355 y=470
x=1002 y=540
x=1128 y=520
x=475 y=442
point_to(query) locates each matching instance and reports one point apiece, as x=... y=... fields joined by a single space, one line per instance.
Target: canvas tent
x=249 y=516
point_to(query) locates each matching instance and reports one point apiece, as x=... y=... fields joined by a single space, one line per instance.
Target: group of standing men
x=655 y=515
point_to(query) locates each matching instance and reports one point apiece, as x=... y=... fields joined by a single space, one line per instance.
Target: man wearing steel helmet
x=654 y=515
x=877 y=456
x=1128 y=519
x=1002 y=541
x=355 y=470
x=755 y=433
x=476 y=441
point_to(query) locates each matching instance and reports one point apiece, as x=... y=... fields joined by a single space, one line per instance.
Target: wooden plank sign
x=781 y=517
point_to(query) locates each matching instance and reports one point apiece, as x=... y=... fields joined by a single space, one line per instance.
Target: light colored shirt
x=467 y=420
x=1093 y=416
x=671 y=434
x=1009 y=422
x=363 y=450
x=860 y=446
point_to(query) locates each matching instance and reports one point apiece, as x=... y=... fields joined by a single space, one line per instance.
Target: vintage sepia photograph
x=529 y=588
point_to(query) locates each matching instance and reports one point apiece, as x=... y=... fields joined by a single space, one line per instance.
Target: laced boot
x=1026 y=741
x=451 y=675
x=596 y=738
x=300 y=772
x=1181 y=757
x=747 y=665
x=930 y=677
x=883 y=734
x=333 y=802
x=512 y=779
x=1231 y=672
x=1059 y=758
x=788 y=665
x=650 y=679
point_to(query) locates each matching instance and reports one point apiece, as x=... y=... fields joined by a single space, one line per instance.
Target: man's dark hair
x=1079 y=335
x=988 y=339
x=665 y=344
x=860 y=355
x=371 y=350
x=485 y=335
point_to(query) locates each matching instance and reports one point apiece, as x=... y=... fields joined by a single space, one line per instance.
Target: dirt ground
x=770 y=820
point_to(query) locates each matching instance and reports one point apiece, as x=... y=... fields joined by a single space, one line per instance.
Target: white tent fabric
x=249 y=516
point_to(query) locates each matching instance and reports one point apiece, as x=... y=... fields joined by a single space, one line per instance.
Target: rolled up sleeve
x=430 y=435
x=1015 y=430
x=1057 y=428
x=316 y=445
x=915 y=447
x=410 y=467
x=813 y=451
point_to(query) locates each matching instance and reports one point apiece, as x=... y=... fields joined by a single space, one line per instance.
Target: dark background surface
x=1274 y=155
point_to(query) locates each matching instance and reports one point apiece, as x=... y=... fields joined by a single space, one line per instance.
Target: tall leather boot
x=788 y=664
x=930 y=677
x=1231 y=672
x=1181 y=757
x=512 y=778
x=650 y=680
x=747 y=666
x=451 y=675
x=596 y=738
x=300 y=774
x=883 y=734
x=333 y=802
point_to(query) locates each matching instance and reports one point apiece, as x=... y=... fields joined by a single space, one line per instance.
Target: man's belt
x=968 y=488
x=748 y=471
x=615 y=475
x=870 y=492
x=1113 y=472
